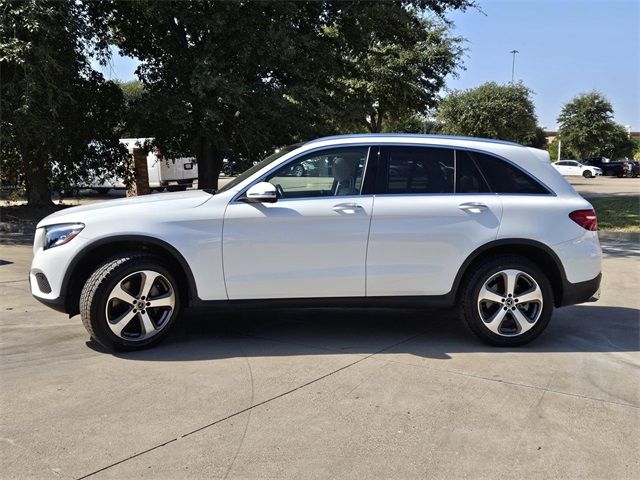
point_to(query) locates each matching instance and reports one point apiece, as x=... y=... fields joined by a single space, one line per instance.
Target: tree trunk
x=209 y=164
x=38 y=185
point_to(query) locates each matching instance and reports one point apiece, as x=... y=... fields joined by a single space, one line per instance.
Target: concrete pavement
x=323 y=393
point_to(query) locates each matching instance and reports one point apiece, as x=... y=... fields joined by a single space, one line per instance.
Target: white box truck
x=170 y=173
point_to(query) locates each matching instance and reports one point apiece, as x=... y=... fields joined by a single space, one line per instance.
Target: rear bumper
x=581 y=292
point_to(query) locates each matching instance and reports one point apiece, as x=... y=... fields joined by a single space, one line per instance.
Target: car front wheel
x=587 y=174
x=130 y=302
x=507 y=301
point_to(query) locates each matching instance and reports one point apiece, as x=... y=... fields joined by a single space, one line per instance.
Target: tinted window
x=468 y=176
x=419 y=170
x=334 y=172
x=504 y=177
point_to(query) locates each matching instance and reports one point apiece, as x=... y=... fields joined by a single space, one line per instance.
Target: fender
x=516 y=242
x=175 y=254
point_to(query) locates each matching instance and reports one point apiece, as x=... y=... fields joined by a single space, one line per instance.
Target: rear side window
x=469 y=179
x=504 y=177
x=418 y=170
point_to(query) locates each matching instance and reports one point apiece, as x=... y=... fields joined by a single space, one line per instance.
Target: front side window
x=258 y=166
x=333 y=172
x=504 y=177
x=415 y=170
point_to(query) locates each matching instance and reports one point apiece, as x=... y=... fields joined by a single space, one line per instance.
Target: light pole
x=513 y=64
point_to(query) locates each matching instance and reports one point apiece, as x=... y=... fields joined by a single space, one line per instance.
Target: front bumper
x=56 y=303
x=581 y=292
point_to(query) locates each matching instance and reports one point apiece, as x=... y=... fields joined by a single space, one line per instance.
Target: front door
x=312 y=241
x=432 y=209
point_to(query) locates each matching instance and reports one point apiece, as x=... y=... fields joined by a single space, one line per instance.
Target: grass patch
x=618 y=214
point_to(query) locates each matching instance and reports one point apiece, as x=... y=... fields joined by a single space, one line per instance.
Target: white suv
x=408 y=220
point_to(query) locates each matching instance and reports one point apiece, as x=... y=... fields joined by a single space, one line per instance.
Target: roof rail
x=414 y=135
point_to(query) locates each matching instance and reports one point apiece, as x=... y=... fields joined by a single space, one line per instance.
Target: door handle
x=346 y=208
x=473 y=207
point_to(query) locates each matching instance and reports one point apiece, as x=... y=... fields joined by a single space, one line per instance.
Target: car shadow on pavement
x=426 y=333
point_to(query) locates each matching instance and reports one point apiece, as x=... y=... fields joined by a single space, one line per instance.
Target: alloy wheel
x=510 y=303
x=140 y=305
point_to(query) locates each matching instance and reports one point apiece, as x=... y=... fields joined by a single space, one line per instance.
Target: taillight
x=587 y=219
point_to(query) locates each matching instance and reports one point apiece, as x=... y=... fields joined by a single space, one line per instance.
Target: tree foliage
x=235 y=79
x=58 y=116
x=504 y=112
x=587 y=128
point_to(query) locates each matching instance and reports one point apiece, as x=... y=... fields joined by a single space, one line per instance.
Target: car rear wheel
x=298 y=171
x=130 y=302
x=507 y=301
x=587 y=174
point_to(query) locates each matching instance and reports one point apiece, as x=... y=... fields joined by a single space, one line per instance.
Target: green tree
x=587 y=128
x=552 y=148
x=504 y=112
x=234 y=79
x=136 y=122
x=397 y=77
x=58 y=117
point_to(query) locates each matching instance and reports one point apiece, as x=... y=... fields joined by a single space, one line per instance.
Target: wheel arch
x=92 y=255
x=539 y=253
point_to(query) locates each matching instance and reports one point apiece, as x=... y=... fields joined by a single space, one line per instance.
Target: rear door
x=562 y=167
x=432 y=209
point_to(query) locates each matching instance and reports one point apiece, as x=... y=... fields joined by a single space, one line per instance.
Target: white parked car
x=488 y=226
x=574 y=168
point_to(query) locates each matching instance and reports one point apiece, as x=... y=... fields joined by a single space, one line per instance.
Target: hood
x=164 y=201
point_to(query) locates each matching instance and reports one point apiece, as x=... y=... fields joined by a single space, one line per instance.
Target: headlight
x=56 y=235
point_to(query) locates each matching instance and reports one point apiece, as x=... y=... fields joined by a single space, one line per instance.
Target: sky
x=566 y=47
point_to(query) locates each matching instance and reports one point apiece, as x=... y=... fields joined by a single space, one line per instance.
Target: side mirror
x=262 y=192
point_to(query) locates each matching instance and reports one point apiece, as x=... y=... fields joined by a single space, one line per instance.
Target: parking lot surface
x=331 y=393
x=605 y=186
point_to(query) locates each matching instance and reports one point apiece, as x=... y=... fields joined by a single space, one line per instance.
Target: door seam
x=366 y=253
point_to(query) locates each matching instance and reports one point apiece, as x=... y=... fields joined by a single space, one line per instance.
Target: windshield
x=258 y=166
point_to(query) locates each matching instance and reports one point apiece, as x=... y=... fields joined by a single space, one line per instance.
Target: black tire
x=471 y=288
x=102 y=190
x=177 y=188
x=227 y=170
x=587 y=174
x=298 y=171
x=98 y=287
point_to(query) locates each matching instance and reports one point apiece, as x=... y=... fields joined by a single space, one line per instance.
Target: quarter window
x=334 y=172
x=504 y=177
x=418 y=170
